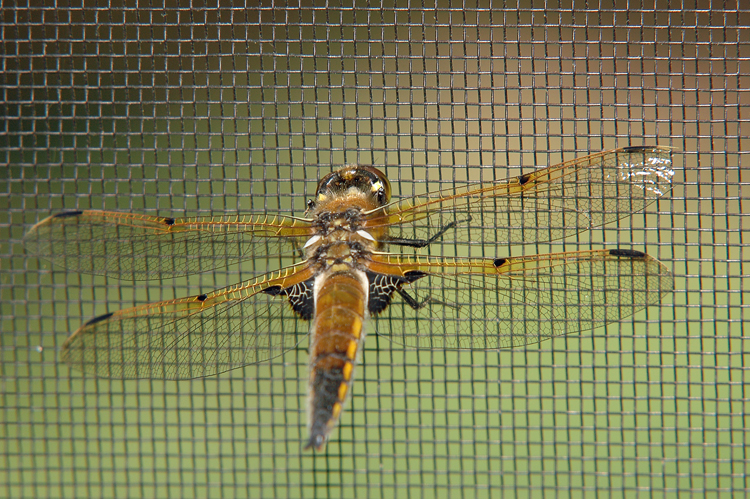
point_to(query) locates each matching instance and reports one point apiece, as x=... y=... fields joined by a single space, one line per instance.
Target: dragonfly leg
x=416 y=305
x=421 y=243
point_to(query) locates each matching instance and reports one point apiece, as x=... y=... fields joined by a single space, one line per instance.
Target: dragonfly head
x=355 y=180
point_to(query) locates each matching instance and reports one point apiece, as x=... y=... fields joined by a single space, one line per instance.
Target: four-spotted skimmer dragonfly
x=351 y=281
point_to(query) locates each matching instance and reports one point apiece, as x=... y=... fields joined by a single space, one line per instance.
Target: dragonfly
x=361 y=266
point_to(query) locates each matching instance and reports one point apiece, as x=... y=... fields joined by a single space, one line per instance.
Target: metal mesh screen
x=210 y=108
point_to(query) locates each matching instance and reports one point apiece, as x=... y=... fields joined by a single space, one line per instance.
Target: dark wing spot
x=272 y=290
x=632 y=149
x=523 y=179
x=169 y=221
x=626 y=253
x=413 y=275
x=497 y=262
x=99 y=319
x=67 y=214
x=201 y=297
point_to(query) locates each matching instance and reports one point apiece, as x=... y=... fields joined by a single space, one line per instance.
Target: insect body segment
x=337 y=332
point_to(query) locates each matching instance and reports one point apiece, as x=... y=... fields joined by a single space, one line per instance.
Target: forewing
x=486 y=304
x=130 y=246
x=192 y=337
x=545 y=205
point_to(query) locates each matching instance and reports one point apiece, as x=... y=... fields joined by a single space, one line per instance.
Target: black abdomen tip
x=316 y=442
x=626 y=253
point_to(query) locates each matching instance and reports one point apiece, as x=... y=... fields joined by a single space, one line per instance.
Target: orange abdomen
x=337 y=330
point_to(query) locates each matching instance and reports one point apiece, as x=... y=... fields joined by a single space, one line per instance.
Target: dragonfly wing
x=545 y=205
x=511 y=302
x=130 y=246
x=192 y=337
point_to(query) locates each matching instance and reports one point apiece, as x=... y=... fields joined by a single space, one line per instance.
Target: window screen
x=208 y=108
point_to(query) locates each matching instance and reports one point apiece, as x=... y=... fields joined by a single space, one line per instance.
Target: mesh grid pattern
x=163 y=109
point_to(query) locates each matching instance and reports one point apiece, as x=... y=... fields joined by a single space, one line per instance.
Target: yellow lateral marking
x=347 y=371
x=357 y=328
x=351 y=350
x=343 y=387
x=336 y=411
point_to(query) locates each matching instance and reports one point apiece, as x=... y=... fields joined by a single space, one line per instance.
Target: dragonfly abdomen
x=337 y=332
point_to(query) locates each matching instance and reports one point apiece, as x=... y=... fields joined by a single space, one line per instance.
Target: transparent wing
x=130 y=246
x=192 y=337
x=545 y=205
x=504 y=303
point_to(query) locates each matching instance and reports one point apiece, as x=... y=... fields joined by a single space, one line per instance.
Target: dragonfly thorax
x=340 y=247
x=328 y=222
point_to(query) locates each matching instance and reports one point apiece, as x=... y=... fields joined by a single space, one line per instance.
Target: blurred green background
x=209 y=109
